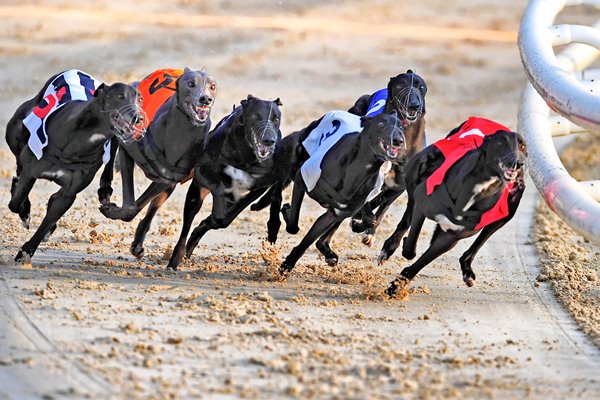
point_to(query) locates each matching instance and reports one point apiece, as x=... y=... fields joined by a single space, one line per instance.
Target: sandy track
x=110 y=325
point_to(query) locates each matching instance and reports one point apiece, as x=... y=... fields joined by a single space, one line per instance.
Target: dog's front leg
x=111 y=210
x=393 y=242
x=105 y=189
x=440 y=244
x=319 y=228
x=19 y=197
x=331 y=258
x=220 y=217
x=137 y=247
x=409 y=247
x=193 y=202
x=274 y=222
x=467 y=258
x=291 y=213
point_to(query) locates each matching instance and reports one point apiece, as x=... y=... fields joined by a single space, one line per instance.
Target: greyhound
x=472 y=181
x=236 y=167
x=63 y=134
x=350 y=172
x=178 y=104
x=405 y=94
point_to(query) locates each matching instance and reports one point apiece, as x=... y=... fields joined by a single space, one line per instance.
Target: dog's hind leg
x=193 y=202
x=331 y=258
x=137 y=247
x=440 y=244
x=58 y=204
x=388 y=198
x=291 y=213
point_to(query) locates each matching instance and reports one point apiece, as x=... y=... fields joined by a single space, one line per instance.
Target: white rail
x=562 y=84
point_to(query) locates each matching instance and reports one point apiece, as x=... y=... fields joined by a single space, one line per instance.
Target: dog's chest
x=241 y=182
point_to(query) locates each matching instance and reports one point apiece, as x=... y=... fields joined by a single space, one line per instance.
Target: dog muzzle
x=129 y=123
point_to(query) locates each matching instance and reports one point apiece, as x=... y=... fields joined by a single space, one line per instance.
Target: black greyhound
x=236 y=167
x=405 y=94
x=179 y=104
x=76 y=118
x=350 y=169
x=471 y=181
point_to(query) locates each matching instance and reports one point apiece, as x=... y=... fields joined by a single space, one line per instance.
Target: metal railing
x=561 y=98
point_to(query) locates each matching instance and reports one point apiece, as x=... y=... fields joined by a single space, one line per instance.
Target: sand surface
x=87 y=319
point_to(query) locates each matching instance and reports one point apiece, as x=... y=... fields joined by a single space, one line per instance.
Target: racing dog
x=471 y=181
x=342 y=173
x=178 y=104
x=64 y=134
x=405 y=94
x=236 y=167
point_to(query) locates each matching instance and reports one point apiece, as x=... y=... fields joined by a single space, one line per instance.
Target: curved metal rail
x=560 y=83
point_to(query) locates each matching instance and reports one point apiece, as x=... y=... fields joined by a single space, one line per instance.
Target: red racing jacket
x=470 y=136
x=157 y=88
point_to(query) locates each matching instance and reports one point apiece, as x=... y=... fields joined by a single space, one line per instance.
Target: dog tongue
x=202 y=112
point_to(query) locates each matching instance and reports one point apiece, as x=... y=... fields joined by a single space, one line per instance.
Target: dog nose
x=397 y=141
x=268 y=142
x=414 y=104
x=204 y=99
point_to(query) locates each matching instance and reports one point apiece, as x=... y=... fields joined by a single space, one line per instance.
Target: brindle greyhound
x=349 y=171
x=168 y=151
x=77 y=133
x=478 y=189
x=406 y=96
x=236 y=167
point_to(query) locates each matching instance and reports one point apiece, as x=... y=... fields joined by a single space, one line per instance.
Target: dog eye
x=191 y=84
x=380 y=125
x=121 y=96
x=275 y=119
x=213 y=87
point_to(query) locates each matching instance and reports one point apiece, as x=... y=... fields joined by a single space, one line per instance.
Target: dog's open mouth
x=413 y=116
x=264 y=152
x=390 y=152
x=198 y=113
x=510 y=174
x=130 y=123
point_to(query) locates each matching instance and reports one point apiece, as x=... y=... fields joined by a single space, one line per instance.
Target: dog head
x=196 y=93
x=406 y=93
x=261 y=120
x=505 y=153
x=385 y=133
x=122 y=104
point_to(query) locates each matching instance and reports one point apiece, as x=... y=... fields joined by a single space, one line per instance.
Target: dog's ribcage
x=241 y=182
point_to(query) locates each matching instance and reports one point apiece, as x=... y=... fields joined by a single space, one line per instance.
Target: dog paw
x=332 y=261
x=357 y=226
x=368 y=239
x=407 y=252
x=397 y=288
x=137 y=250
x=292 y=229
x=104 y=195
x=23 y=257
x=383 y=256
x=469 y=279
x=284 y=271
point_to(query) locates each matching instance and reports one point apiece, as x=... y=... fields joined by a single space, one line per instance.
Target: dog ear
x=278 y=102
x=409 y=71
x=363 y=119
x=186 y=70
x=100 y=90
